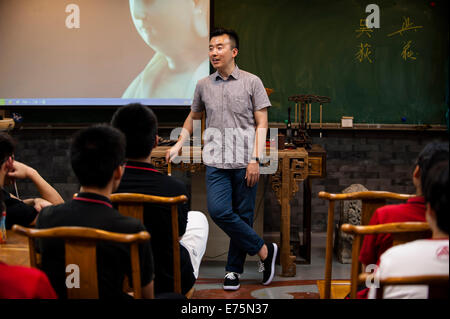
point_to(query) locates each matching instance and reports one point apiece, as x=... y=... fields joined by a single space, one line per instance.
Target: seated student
x=139 y=124
x=17 y=211
x=17 y=282
x=426 y=256
x=97 y=155
x=413 y=210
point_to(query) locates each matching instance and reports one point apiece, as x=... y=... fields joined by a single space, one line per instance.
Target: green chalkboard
x=311 y=47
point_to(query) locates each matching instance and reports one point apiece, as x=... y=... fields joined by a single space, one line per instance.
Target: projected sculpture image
x=177 y=30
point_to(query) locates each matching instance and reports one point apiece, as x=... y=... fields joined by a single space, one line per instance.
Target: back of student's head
x=436 y=190
x=7 y=147
x=140 y=126
x=432 y=153
x=95 y=153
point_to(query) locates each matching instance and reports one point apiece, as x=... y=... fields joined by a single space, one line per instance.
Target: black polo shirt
x=143 y=178
x=113 y=259
x=17 y=212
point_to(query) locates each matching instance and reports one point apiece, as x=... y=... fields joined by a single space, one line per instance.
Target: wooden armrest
x=364 y=195
x=81 y=233
x=403 y=227
x=142 y=198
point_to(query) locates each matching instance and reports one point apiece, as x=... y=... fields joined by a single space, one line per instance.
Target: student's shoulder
x=125 y=224
x=48 y=211
x=391 y=213
x=51 y=214
x=404 y=251
x=173 y=186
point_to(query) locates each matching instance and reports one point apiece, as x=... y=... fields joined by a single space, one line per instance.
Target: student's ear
x=156 y=141
x=10 y=163
x=117 y=177
x=7 y=165
x=118 y=172
x=416 y=173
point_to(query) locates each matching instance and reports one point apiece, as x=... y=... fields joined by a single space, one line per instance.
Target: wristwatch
x=255 y=159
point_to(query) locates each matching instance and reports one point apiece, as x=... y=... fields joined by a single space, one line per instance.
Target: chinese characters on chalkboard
x=407 y=25
x=407 y=52
x=364 y=51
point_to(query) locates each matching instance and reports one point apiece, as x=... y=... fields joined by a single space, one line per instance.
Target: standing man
x=235 y=101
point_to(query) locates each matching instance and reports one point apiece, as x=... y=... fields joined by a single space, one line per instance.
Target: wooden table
x=15 y=250
x=294 y=166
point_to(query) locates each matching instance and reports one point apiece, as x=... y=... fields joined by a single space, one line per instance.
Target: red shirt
x=375 y=245
x=17 y=282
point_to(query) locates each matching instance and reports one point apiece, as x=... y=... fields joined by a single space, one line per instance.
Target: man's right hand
x=173 y=152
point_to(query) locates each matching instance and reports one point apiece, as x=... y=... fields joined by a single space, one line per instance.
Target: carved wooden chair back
x=371 y=200
x=401 y=233
x=81 y=249
x=132 y=204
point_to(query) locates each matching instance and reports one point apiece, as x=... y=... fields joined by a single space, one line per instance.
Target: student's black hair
x=436 y=190
x=431 y=154
x=234 y=38
x=139 y=125
x=95 y=153
x=7 y=147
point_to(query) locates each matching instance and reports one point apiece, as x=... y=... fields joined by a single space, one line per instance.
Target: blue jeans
x=231 y=204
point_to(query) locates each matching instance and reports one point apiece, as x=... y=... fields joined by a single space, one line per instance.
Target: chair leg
x=329 y=251
x=190 y=293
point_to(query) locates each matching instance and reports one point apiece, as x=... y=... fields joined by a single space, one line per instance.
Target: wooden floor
x=251 y=289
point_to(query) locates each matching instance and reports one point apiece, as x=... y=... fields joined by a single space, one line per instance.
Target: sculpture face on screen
x=177 y=30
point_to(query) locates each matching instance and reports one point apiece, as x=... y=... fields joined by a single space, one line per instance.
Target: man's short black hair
x=234 y=38
x=7 y=147
x=436 y=191
x=140 y=126
x=431 y=154
x=95 y=153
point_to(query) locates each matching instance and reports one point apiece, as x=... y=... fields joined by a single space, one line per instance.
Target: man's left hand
x=252 y=174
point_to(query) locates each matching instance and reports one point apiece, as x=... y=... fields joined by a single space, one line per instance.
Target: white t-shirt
x=420 y=257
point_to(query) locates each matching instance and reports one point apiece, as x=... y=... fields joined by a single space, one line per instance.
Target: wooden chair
x=437 y=284
x=371 y=200
x=401 y=233
x=131 y=204
x=81 y=249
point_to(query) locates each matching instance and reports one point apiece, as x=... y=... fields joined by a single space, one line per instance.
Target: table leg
x=287 y=260
x=306 y=246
